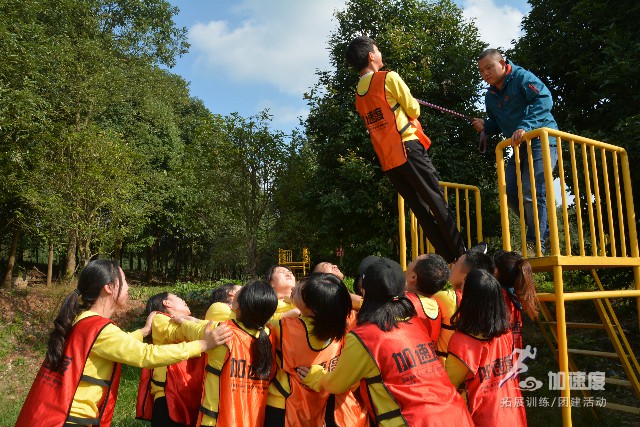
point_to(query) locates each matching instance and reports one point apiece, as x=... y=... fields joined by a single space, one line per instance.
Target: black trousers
x=160 y=417
x=417 y=182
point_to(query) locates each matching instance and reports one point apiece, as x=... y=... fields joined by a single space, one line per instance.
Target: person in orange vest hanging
x=390 y=113
x=315 y=338
x=78 y=381
x=389 y=354
x=238 y=374
x=169 y=396
x=481 y=354
x=426 y=275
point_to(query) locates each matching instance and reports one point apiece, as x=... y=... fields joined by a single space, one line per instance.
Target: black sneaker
x=481 y=247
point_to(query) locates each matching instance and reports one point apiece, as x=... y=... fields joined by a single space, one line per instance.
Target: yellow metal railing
x=602 y=235
x=419 y=244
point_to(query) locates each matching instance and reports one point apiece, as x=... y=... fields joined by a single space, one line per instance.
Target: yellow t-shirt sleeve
x=195 y=330
x=219 y=312
x=353 y=365
x=118 y=346
x=398 y=89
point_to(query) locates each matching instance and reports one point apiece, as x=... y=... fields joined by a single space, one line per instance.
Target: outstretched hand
x=213 y=337
x=146 y=329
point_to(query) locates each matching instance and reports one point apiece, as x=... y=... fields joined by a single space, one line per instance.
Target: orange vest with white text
x=304 y=406
x=433 y=325
x=412 y=375
x=380 y=120
x=182 y=388
x=242 y=395
x=51 y=396
x=490 y=361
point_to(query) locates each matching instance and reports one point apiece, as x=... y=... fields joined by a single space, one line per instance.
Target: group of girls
x=306 y=358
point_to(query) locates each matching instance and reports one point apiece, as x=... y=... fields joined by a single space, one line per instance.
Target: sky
x=248 y=55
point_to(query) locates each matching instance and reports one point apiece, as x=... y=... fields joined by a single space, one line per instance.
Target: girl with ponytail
x=238 y=374
x=392 y=358
x=78 y=381
x=516 y=278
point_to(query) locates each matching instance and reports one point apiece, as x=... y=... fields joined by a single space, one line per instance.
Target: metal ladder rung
x=607 y=354
x=616 y=381
x=580 y=325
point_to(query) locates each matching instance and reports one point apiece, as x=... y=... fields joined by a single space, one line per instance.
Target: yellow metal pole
x=563 y=354
x=576 y=190
x=478 y=215
x=534 y=197
x=523 y=230
x=607 y=193
x=414 y=237
x=551 y=197
x=596 y=188
x=458 y=208
x=502 y=196
x=401 y=232
x=468 y=217
x=587 y=181
x=565 y=210
x=616 y=180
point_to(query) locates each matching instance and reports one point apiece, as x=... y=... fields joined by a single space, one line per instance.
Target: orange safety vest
x=304 y=406
x=412 y=375
x=242 y=395
x=182 y=388
x=489 y=361
x=433 y=325
x=51 y=396
x=380 y=120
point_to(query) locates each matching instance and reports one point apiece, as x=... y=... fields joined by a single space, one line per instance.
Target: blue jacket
x=523 y=102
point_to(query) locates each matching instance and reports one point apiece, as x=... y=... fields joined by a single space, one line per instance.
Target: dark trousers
x=417 y=182
x=160 y=417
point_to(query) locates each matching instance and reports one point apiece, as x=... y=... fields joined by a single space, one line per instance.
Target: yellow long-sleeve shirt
x=219 y=312
x=354 y=364
x=115 y=345
x=396 y=92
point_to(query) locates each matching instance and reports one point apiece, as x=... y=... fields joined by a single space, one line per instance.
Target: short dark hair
x=432 y=273
x=221 y=293
x=328 y=297
x=357 y=52
x=154 y=303
x=495 y=53
x=482 y=311
x=478 y=260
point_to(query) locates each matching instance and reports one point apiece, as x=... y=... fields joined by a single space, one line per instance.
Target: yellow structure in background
x=419 y=244
x=603 y=237
x=285 y=258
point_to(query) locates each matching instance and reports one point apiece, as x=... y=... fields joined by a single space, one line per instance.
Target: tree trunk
x=149 y=263
x=251 y=257
x=72 y=246
x=131 y=261
x=12 y=258
x=117 y=251
x=50 y=264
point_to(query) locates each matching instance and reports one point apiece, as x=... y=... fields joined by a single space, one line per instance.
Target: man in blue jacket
x=516 y=102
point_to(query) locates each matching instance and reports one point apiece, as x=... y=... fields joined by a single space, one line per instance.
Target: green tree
x=588 y=53
x=434 y=49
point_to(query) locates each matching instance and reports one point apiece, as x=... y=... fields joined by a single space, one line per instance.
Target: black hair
x=386 y=314
x=495 y=53
x=154 y=303
x=513 y=271
x=221 y=293
x=482 y=311
x=269 y=274
x=93 y=277
x=432 y=273
x=257 y=302
x=357 y=52
x=329 y=299
x=477 y=260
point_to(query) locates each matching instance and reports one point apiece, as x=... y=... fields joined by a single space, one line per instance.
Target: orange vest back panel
x=304 y=406
x=51 y=395
x=489 y=362
x=242 y=395
x=413 y=376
